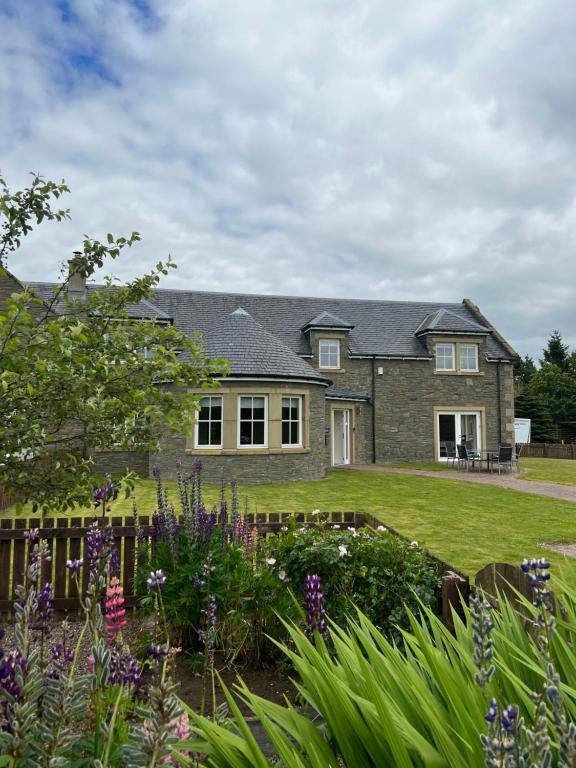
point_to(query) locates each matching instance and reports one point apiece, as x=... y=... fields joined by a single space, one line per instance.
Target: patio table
x=489 y=456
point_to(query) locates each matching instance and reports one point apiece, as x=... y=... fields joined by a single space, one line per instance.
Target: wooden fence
x=548 y=451
x=7 y=500
x=66 y=541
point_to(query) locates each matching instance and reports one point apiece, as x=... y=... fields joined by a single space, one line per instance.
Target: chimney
x=76 y=275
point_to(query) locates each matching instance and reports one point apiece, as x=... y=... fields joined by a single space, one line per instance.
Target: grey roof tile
x=327 y=320
x=346 y=394
x=143 y=310
x=253 y=351
x=445 y=320
x=384 y=328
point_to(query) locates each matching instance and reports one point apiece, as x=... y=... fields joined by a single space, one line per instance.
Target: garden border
x=66 y=540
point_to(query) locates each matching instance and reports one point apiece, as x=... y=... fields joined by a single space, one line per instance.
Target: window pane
x=258 y=433
x=285 y=433
x=203 y=433
x=245 y=433
x=285 y=412
x=329 y=353
x=294 y=440
x=245 y=408
x=445 y=357
x=204 y=408
x=258 y=408
x=294 y=409
x=216 y=409
x=215 y=432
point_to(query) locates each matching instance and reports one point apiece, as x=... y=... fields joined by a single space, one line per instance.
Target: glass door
x=458 y=427
x=340 y=437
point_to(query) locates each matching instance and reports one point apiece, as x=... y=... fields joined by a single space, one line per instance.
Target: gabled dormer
x=327 y=336
x=456 y=342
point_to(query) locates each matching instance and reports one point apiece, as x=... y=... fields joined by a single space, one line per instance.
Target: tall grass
x=367 y=702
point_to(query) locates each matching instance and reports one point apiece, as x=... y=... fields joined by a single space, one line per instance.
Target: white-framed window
x=252 y=421
x=209 y=423
x=468 y=357
x=292 y=422
x=445 y=358
x=329 y=353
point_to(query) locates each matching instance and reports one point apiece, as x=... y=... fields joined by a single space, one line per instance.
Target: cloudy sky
x=369 y=149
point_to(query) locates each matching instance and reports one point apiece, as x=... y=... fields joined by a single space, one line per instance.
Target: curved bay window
x=252 y=418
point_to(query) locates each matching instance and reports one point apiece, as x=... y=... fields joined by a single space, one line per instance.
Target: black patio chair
x=503 y=459
x=450 y=451
x=466 y=457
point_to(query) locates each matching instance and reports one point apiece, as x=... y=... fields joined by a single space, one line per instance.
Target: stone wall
x=408 y=392
x=117 y=462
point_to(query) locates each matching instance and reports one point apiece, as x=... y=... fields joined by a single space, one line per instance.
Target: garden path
x=552 y=490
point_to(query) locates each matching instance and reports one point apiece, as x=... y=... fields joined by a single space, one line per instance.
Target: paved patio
x=553 y=490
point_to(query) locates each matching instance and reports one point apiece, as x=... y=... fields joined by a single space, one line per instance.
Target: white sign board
x=522 y=430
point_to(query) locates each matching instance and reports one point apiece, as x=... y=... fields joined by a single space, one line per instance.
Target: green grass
x=467 y=525
x=561 y=471
x=426 y=466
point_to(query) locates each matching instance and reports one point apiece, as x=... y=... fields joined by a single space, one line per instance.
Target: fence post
x=455 y=589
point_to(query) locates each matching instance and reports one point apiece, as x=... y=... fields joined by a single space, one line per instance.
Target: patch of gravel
x=70 y=628
x=563 y=548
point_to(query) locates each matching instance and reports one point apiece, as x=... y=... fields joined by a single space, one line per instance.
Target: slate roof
x=327 y=320
x=253 y=351
x=382 y=328
x=346 y=394
x=447 y=321
x=143 y=310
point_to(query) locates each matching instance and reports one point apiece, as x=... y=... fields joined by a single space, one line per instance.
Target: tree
x=524 y=369
x=556 y=352
x=556 y=387
x=528 y=405
x=73 y=379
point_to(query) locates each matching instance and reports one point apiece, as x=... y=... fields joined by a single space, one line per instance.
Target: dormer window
x=329 y=353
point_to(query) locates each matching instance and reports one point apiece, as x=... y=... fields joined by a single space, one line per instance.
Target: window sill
x=332 y=370
x=458 y=373
x=244 y=451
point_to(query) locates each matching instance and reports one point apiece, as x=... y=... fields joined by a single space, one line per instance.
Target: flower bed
x=229 y=592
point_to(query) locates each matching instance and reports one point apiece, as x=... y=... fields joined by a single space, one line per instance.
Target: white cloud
x=379 y=150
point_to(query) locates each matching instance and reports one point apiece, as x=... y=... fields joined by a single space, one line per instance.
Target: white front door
x=458 y=427
x=340 y=436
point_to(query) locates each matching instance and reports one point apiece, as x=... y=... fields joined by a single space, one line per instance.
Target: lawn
x=426 y=466
x=561 y=471
x=465 y=524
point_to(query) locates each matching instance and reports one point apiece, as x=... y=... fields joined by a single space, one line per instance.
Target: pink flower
x=114 y=611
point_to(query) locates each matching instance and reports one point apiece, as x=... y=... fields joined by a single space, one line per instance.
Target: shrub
x=381 y=574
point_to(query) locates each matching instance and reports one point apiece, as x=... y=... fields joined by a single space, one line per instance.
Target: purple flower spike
x=156 y=580
x=74 y=566
x=315 y=602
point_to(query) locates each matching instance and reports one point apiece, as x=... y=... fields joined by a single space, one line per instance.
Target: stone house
x=318 y=382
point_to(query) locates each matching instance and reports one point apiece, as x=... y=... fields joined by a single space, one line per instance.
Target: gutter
x=499 y=403
x=373 y=409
